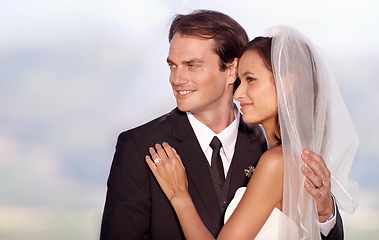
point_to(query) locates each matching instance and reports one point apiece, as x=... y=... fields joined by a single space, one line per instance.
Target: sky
x=74 y=74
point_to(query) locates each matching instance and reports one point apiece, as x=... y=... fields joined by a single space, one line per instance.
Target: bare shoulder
x=272 y=159
x=266 y=183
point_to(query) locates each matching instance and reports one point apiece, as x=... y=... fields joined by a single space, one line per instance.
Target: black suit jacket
x=136 y=207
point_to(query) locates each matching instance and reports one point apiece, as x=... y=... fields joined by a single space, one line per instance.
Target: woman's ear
x=232 y=71
x=288 y=82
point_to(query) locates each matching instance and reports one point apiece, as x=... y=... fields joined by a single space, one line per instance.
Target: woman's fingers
x=313 y=178
x=319 y=175
x=317 y=159
x=168 y=150
x=151 y=164
x=154 y=154
x=316 y=172
x=171 y=153
x=161 y=152
x=158 y=155
x=167 y=169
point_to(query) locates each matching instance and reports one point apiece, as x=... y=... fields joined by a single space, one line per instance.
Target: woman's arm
x=171 y=176
x=263 y=194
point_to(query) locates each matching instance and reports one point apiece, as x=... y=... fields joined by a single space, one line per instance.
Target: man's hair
x=228 y=35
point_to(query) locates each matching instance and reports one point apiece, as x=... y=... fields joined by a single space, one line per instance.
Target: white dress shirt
x=228 y=138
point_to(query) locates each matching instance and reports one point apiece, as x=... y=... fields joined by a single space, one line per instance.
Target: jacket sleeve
x=127 y=207
x=337 y=231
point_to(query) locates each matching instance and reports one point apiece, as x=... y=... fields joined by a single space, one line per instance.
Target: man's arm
x=319 y=187
x=128 y=206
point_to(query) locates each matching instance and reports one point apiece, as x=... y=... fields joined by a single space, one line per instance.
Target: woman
x=285 y=88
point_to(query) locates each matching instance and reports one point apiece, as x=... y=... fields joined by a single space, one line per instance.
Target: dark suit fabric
x=337 y=232
x=136 y=207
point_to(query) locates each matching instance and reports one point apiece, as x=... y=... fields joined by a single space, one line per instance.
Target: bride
x=285 y=88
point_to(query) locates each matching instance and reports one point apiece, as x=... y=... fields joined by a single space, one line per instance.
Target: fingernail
x=306 y=151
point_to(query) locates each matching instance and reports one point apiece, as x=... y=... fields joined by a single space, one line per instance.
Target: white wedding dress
x=273 y=228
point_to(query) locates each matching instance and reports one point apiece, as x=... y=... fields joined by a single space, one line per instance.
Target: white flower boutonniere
x=249 y=171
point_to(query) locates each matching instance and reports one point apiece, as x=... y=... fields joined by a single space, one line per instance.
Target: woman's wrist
x=181 y=200
x=327 y=216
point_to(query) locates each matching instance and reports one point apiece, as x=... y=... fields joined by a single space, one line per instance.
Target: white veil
x=313 y=115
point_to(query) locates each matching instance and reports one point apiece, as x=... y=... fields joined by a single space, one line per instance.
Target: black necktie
x=216 y=163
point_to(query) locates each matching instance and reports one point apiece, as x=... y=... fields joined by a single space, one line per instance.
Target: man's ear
x=232 y=71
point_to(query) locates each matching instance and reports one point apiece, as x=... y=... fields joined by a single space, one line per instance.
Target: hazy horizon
x=74 y=74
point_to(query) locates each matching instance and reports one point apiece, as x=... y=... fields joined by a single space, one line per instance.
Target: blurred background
x=76 y=73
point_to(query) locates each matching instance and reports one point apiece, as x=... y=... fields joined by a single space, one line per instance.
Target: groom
x=203 y=54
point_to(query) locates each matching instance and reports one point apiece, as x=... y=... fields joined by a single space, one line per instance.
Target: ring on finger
x=322 y=184
x=157 y=160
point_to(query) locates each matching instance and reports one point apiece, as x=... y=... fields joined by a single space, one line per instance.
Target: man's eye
x=171 y=66
x=192 y=66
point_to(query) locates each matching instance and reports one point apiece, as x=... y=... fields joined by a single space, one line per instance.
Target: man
x=203 y=54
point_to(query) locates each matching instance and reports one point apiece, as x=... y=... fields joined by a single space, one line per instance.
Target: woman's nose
x=240 y=92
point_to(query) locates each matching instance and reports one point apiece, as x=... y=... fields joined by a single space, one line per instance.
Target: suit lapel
x=200 y=183
x=249 y=147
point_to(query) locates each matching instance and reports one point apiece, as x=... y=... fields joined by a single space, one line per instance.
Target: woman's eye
x=250 y=79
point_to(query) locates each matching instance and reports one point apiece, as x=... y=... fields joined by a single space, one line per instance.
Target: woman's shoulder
x=272 y=157
x=272 y=161
x=267 y=178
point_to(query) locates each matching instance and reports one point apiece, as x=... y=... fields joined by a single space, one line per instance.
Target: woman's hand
x=320 y=189
x=169 y=171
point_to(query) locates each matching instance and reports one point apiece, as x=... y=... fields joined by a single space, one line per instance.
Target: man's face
x=198 y=84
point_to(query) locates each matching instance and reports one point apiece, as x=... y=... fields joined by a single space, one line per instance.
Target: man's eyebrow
x=191 y=61
x=169 y=61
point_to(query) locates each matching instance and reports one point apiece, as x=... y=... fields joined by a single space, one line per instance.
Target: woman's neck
x=269 y=128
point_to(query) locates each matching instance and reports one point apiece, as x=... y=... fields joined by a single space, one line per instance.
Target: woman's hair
x=229 y=36
x=263 y=46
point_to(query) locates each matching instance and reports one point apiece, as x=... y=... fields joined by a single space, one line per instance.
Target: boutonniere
x=249 y=171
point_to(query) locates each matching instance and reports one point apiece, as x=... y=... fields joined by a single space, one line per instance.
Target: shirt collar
x=228 y=136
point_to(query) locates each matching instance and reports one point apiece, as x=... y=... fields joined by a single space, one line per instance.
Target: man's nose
x=178 y=76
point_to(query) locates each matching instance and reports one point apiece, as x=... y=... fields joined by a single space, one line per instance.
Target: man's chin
x=184 y=108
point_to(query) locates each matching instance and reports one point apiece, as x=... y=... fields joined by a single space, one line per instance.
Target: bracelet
x=329 y=218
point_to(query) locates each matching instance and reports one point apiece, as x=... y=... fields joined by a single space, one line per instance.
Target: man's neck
x=217 y=121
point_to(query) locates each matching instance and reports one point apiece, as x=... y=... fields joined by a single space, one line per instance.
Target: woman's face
x=257 y=91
